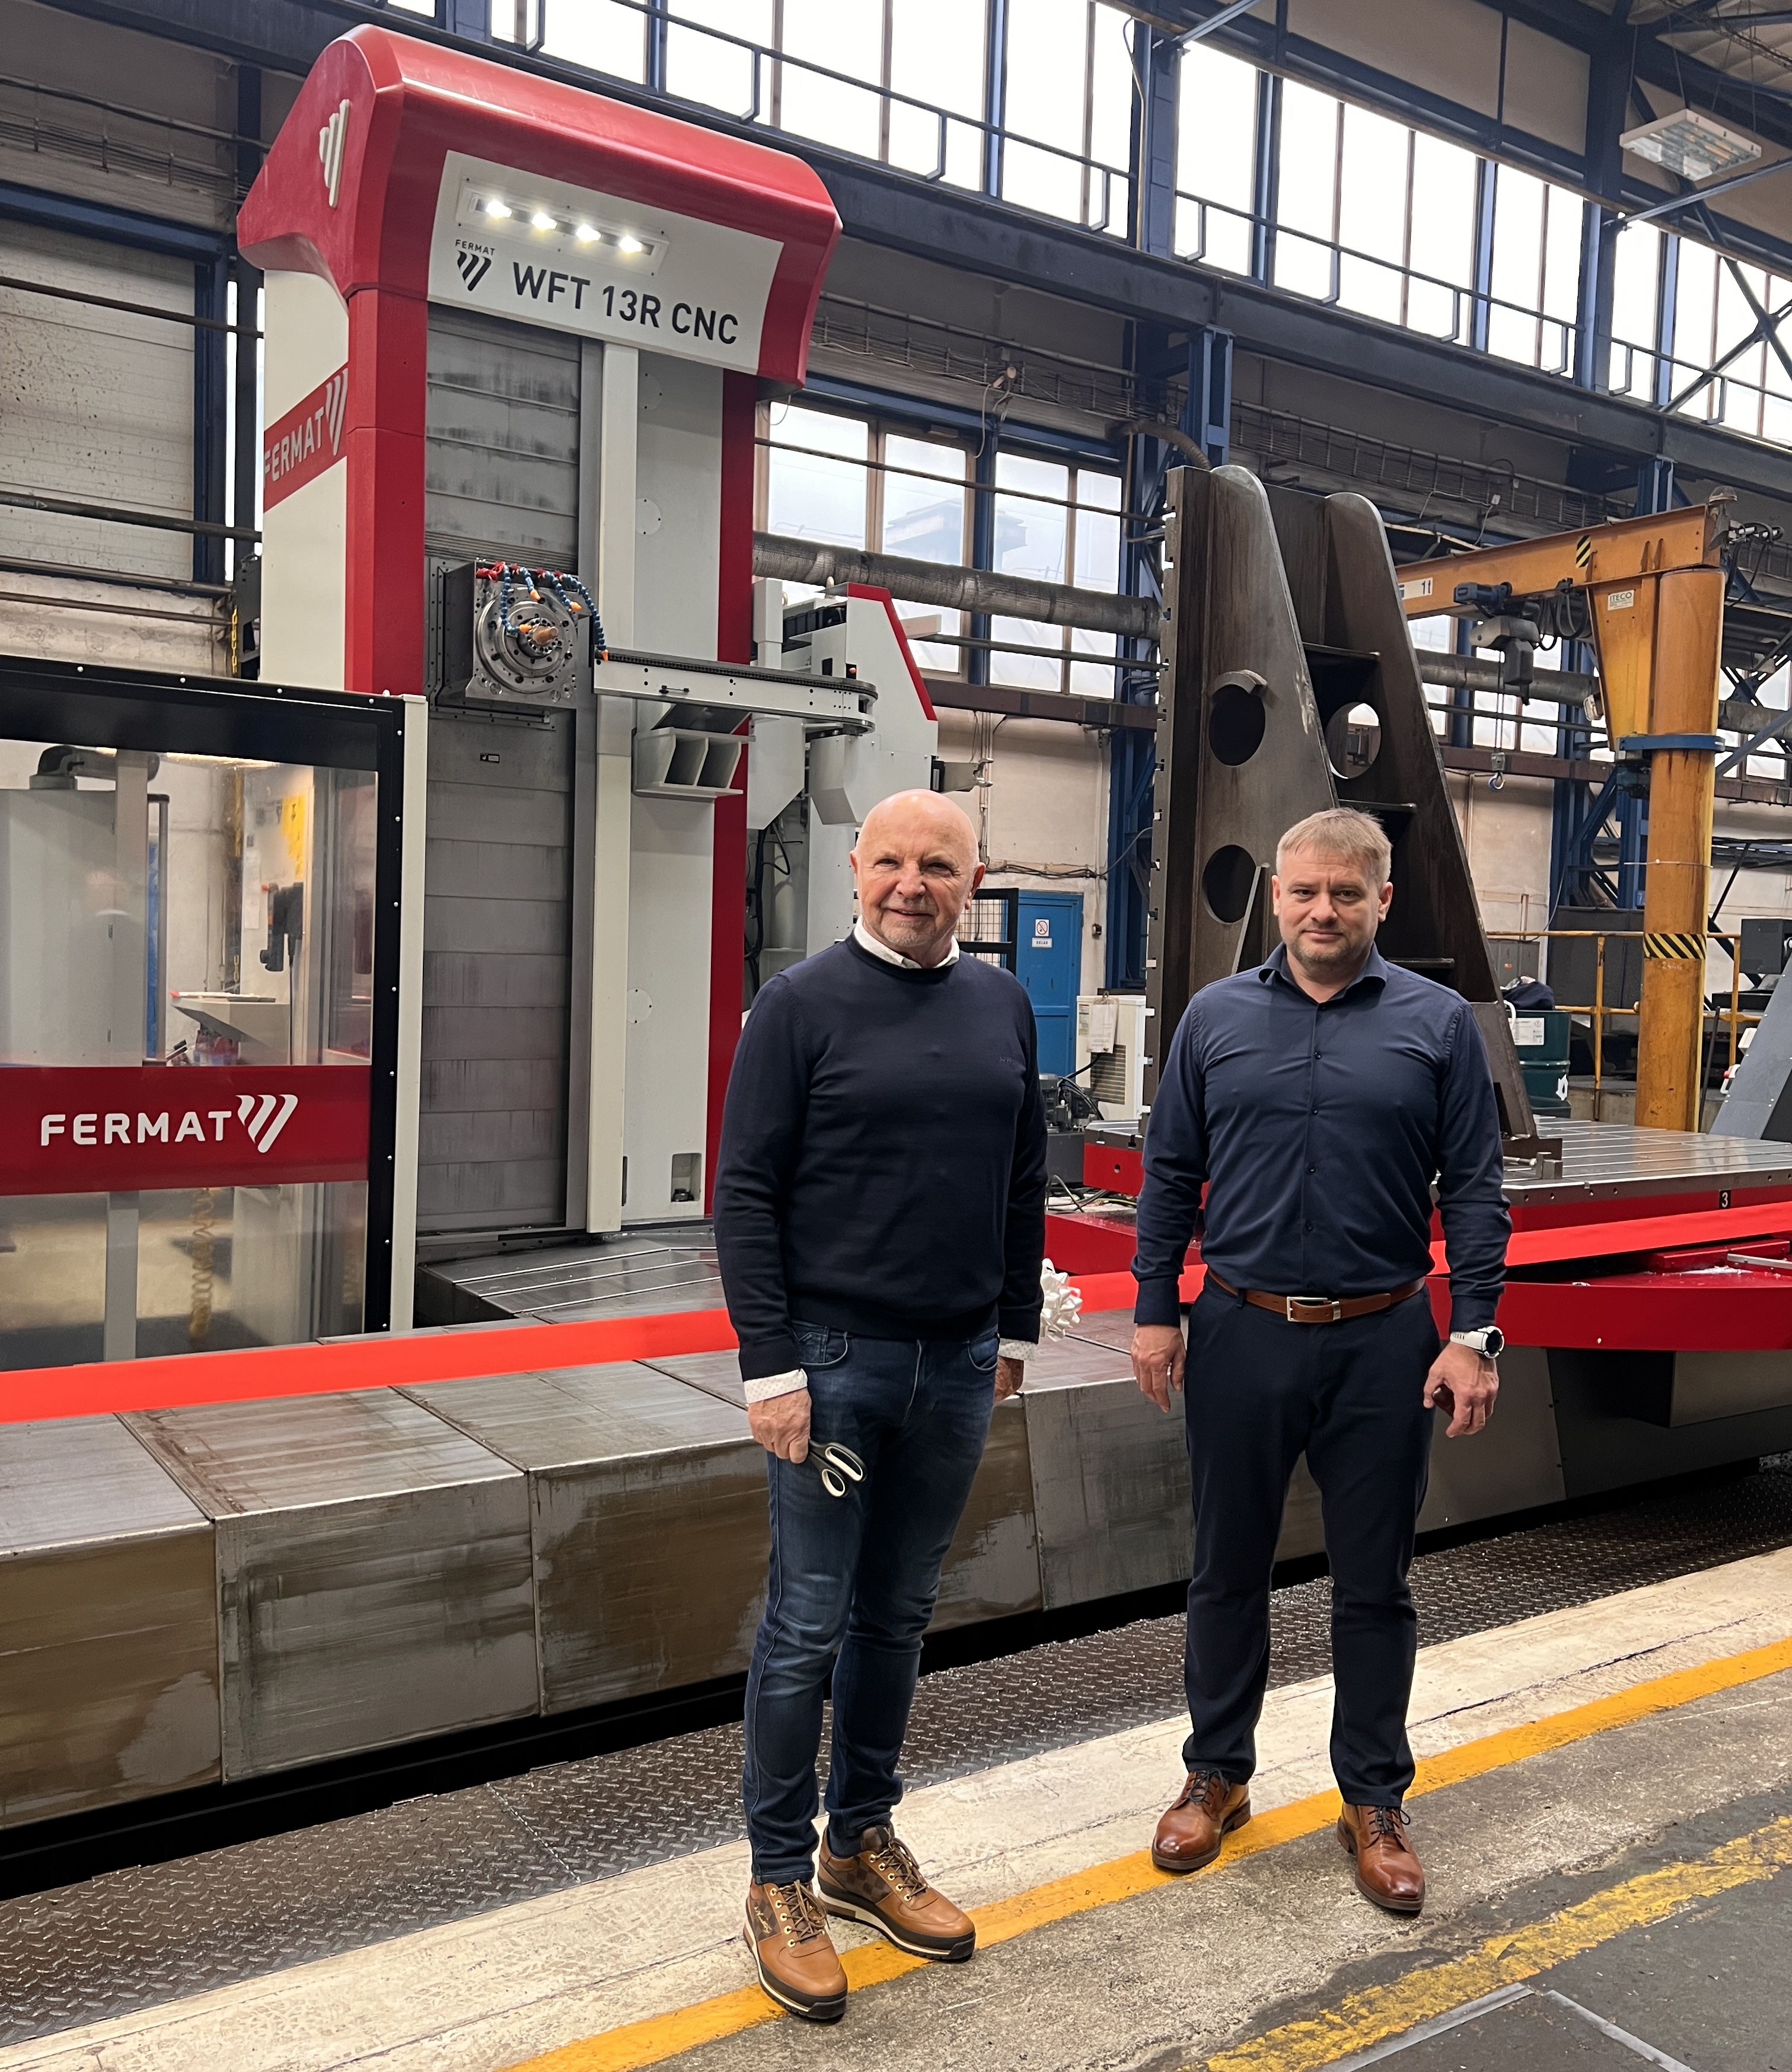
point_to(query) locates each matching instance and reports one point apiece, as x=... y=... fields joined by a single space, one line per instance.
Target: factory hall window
x=602 y=34
x=1537 y=270
x=1216 y=142
x=903 y=82
x=1066 y=151
x=1059 y=524
x=850 y=482
x=1636 y=305
x=1354 y=209
x=1718 y=305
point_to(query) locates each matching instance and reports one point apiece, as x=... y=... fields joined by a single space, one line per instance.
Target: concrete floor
x=1570 y=1763
x=1198 y=1972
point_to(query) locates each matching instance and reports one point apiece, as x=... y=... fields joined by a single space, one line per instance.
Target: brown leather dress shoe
x=1189 y=1833
x=1388 y=1871
x=798 y=1964
x=883 y=1887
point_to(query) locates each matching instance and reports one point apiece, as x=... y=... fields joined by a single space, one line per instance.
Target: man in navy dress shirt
x=1316 y=1099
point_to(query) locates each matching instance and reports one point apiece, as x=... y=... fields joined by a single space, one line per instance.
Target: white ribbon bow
x=1063 y=1304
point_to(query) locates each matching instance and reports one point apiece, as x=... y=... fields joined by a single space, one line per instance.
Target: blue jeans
x=853 y=1583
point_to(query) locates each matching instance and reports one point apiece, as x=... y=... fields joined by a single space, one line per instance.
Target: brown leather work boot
x=883 y=1887
x=798 y=1964
x=1388 y=1871
x=1189 y=1834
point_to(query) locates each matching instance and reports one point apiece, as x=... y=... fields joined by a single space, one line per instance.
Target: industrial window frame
x=957 y=653
x=977 y=149
x=217 y=398
x=1133 y=201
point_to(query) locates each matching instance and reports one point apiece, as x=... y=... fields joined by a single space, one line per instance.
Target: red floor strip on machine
x=1628 y=1306
x=451 y=1353
x=378 y=1361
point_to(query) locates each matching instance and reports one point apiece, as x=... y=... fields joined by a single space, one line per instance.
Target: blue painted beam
x=116 y=226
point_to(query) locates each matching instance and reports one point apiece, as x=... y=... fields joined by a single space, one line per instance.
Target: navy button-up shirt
x=1317 y=1131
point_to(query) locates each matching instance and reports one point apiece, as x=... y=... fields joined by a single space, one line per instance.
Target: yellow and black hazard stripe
x=1583 y=551
x=1670 y=949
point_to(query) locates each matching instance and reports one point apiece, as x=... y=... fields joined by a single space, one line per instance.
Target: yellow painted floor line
x=660 y=2036
x=1363 y=2020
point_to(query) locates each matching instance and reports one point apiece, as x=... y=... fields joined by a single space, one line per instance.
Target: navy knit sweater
x=883 y=1157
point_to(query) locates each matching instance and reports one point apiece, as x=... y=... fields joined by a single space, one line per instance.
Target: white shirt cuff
x=1016 y=1349
x=769 y=1385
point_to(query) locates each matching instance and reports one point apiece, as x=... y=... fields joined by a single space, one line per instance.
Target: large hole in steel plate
x=1227 y=881
x=1353 y=740
x=1236 y=722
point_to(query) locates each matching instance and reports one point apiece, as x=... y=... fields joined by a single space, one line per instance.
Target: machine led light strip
x=627 y=242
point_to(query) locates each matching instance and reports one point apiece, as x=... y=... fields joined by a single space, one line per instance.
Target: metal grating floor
x=136 y=1938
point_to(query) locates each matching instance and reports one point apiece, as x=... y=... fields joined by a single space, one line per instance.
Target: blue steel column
x=1153 y=149
x=655 y=65
x=1480 y=308
x=1266 y=176
x=1131 y=759
x=1571 y=799
x=1607 y=90
x=1462 y=735
x=1633 y=846
x=983 y=546
x=248 y=279
x=1667 y=312
x=1132 y=751
x=211 y=299
x=995 y=94
x=1207 y=414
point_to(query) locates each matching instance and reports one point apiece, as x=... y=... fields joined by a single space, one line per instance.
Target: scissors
x=837 y=1466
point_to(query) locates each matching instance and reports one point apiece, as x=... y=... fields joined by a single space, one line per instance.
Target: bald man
x=880 y=1216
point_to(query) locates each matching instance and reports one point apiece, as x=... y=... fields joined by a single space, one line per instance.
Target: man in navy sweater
x=880 y=1218
x=1315 y=1100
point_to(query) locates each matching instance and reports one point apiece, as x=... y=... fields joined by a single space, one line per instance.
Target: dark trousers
x=1260 y=1390
x=853 y=1583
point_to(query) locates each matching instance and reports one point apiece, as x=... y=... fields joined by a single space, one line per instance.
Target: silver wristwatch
x=1489 y=1341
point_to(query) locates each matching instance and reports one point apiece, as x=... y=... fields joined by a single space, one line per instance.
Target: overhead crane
x=1648 y=593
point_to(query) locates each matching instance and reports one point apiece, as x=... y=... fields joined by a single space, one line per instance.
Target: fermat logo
x=262 y=1117
x=261 y=1120
x=110 y=1128
x=474 y=266
x=331 y=138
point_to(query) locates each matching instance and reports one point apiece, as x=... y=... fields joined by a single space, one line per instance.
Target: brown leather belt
x=1318 y=1309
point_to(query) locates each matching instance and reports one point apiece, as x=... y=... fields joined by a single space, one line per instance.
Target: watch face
x=1493 y=1342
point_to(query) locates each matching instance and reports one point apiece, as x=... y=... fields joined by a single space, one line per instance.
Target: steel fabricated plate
x=647 y=1513
x=373 y=1572
x=108 y=1623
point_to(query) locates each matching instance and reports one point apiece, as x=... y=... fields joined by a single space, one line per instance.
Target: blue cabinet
x=1049 y=965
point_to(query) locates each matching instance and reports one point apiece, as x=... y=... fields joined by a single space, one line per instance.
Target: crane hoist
x=1648 y=593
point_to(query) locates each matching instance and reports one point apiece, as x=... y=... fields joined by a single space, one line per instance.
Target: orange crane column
x=1677 y=887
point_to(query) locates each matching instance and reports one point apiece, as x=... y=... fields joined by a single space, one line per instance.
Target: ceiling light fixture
x=627 y=242
x=543 y=221
x=1691 y=145
x=586 y=234
x=496 y=208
